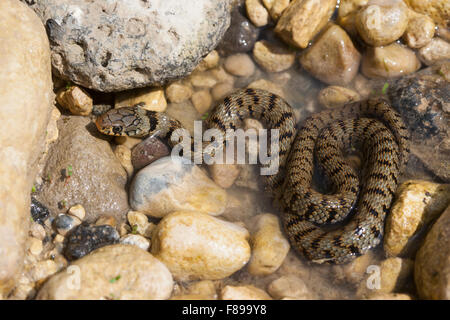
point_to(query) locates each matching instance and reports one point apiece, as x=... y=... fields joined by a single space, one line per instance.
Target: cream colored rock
x=239 y=64
x=197 y=246
x=435 y=51
x=332 y=58
x=420 y=30
x=26 y=100
x=37 y=231
x=152 y=99
x=335 y=96
x=269 y=246
x=202 y=101
x=123 y=153
x=35 y=246
x=118 y=271
x=221 y=90
x=257 y=13
x=277 y=8
x=76 y=100
x=202 y=79
x=355 y=271
x=221 y=75
x=247 y=292
x=224 y=174
x=205 y=288
x=432 y=266
x=381 y=22
x=140 y=224
x=268 y=86
x=417 y=203
x=170 y=184
x=177 y=92
x=348 y=10
x=106 y=221
x=391 y=61
x=289 y=286
x=439 y=10
x=272 y=57
x=135 y=240
x=303 y=19
x=77 y=211
x=210 y=61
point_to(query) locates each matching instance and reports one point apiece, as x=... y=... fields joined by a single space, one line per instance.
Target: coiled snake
x=313 y=221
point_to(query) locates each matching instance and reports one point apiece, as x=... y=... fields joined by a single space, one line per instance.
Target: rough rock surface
x=116 y=272
x=97 y=179
x=432 y=267
x=26 y=101
x=118 y=45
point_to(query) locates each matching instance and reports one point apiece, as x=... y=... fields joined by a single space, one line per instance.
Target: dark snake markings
x=309 y=217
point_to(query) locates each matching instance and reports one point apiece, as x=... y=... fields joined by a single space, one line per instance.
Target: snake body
x=313 y=221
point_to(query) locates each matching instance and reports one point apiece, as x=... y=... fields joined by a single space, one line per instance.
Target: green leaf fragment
x=112 y=280
x=385 y=87
x=205 y=115
x=33 y=189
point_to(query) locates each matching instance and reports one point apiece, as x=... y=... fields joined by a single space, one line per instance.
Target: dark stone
x=63 y=221
x=39 y=212
x=84 y=239
x=148 y=151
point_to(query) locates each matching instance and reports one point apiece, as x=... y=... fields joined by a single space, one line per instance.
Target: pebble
x=202 y=79
x=273 y=57
x=106 y=221
x=39 y=212
x=289 y=286
x=222 y=76
x=268 y=86
x=35 y=246
x=134 y=274
x=435 y=51
x=202 y=101
x=420 y=30
x=136 y=240
x=257 y=13
x=197 y=246
x=332 y=58
x=37 y=231
x=336 y=96
x=76 y=100
x=64 y=223
x=438 y=10
x=77 y=211
x=269 y=245
x=382 y=22
x=277 y=8
x=152 y=99
x=432 y=264
x=247 y=292
x=148 y=151
x=123 y=154
x=204 y=287
x=84 y=239
x=390 y=61
x=209 y=62
x=139 y=224
x=303 y=19
x=224 y=174
x=173 y=183
x=239 y=64
x=221 y=90
x=177 y=92
x=417 y=203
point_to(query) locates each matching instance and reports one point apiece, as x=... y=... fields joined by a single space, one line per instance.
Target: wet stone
x=39 y=212
x=84 y=239
x=148 y=151
x=64 y=223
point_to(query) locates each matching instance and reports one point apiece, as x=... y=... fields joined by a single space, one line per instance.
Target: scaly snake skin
x=312 y=221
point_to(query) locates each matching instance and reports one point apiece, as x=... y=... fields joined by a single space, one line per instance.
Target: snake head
x=126 y=121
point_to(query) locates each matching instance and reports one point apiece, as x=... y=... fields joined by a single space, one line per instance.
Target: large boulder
x=26 y=100
x=117 y=45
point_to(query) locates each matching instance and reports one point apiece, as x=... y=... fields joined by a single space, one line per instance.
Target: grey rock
x=82 y=169
x=117 y=45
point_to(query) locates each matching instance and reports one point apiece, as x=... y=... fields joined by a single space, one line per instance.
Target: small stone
x=204 y=287
x=77 y=211
x=303 y=19
x=35 y=246
x=332 y=58
x=355 y=271
x=76 y=100
x=99 y=109
x=277 y=8
x=268 y=86
x=289 y=286
x=390 y=61
x=39 y=212
x=247 y=292
x=148 y=151
x=173 y=183
x=382 y=22
x=335 y=96
x=239 y=64
x=221 y=90
x=37 y=231
x=438 y=10
x=432 y=264
x=257 y=13
x=124 y=229
x=417 y=203
x=222 y=76
x=64 y=223
x=420 y=30
x=106 y=221
x=177 y=92
x=152 y=99
x=435 y=51
x=197 y=246
x=202 y=101
x=139 y=224
x=123 y=153
x=136 y=240
x=202 y=79
x=224 y=174
x=272 y=57
x=269 y=246
x=84 y=239
x=209 y=62
x=58 y=239
x=115 y=272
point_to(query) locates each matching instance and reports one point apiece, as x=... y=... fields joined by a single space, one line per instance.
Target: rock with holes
x=117 y=45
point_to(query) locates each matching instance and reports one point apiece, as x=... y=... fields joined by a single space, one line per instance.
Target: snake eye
x=117 y=130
